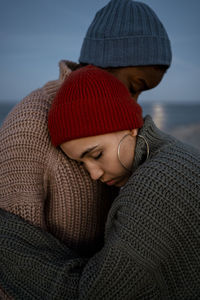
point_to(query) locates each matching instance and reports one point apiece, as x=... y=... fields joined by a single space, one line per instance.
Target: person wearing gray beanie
x=127 y=39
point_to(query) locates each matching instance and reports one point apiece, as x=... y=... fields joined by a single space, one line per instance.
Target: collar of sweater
x=66 y=67
x=155 y=138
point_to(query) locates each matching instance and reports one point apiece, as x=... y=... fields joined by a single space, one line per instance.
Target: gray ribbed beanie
x=126 y=33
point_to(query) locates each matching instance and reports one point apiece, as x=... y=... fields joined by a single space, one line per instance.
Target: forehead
x=75 y=147
x=78 y=145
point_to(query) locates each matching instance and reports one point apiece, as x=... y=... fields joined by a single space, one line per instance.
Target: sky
x=36 y=34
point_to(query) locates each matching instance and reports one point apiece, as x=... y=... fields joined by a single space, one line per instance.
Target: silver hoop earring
x=118 y=152
x=148 y=150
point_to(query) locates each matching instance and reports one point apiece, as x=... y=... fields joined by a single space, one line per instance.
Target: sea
x=181 y=120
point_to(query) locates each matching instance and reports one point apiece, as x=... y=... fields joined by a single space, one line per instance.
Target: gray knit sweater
x=152 y=237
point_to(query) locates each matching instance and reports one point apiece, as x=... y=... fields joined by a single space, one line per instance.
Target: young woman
x=157 y=213
x=152 y=238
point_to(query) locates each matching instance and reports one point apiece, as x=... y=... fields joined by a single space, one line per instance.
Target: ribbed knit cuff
x=131 y=51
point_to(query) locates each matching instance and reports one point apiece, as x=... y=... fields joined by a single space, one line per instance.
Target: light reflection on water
x=159 y=115
x=179 y=120
x=168 y=116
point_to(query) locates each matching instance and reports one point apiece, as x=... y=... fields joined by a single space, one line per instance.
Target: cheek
x=113 y=167
x=110 y=163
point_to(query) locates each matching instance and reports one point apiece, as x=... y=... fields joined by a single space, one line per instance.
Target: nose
x=95 y=172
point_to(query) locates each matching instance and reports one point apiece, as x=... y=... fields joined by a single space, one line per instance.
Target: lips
x=118 y=182
x=111 y=182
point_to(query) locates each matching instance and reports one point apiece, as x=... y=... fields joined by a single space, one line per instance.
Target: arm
x=38 y=183
x=35 y=265
x=23 y=160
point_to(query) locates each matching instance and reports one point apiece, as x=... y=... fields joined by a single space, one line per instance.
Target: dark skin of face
x=139 y=79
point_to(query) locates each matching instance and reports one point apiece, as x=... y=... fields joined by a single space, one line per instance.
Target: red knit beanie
x=91 y=102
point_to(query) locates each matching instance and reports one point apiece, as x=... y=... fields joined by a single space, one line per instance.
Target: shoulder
x=33 y=109
x=167 y=182
x=25 y=131
x=171 y=172
x=156 y=214
x=161 y=193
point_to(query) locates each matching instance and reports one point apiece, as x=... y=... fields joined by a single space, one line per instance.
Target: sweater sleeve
x=23 y=159
x=35 y=265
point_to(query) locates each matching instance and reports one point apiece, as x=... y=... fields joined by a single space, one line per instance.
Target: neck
x=152 y=140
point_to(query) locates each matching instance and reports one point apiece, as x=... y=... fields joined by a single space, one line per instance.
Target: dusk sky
x=37 y=34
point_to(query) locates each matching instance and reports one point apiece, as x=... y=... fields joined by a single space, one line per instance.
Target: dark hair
x=162 y=68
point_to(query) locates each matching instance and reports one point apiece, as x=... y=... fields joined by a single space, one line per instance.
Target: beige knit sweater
x=40 y=184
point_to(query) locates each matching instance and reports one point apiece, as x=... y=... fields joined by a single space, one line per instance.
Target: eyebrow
x=88 y=151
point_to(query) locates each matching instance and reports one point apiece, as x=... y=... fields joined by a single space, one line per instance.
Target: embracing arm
x=35 y=265
x=23 y=148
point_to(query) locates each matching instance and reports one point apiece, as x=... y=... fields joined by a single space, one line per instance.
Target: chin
x=121 y=183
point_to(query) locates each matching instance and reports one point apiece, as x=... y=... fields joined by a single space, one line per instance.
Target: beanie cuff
x=126 y=51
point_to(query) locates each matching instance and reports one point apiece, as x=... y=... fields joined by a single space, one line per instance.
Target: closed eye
x=98 y=156
x=94 y=157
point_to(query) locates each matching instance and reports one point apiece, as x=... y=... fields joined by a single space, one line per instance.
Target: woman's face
x=99 y=155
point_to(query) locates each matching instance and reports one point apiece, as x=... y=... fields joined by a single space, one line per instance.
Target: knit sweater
x=40 y=184
x=152 y=237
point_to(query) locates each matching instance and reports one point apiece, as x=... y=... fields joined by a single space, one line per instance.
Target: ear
x=134 y=132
